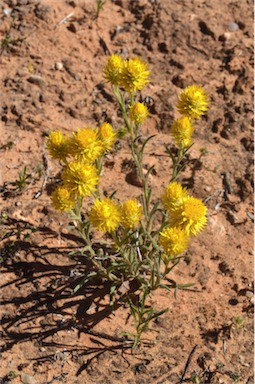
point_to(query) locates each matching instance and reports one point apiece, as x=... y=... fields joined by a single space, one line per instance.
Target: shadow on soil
x=40 y=302
x=51 y=306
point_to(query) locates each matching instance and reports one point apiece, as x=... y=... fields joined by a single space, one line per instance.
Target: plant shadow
x=39 y=299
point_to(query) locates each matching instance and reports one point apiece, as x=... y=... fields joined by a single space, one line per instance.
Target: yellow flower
x=62 y=199
x=57 y=145
x=105 y=215
x=134 y=75
x=193 y=102
x=138 y=112
x=113 y=69
x=131 y=212
x=182 y=130
x=189 y=215
x=174 y=241
x=80 y=178
x=107 y=136
x=173 y=195
x=85 y=145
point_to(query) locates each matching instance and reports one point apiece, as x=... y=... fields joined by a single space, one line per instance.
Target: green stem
x=115 y=238
x=155 y=245
x=138 y=160
x=176 y=164
x=121 y=102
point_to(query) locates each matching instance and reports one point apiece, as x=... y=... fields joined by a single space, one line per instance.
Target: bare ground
x=51 y=78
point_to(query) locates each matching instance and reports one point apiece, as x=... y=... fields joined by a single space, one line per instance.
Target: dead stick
x=64 y=19
x=188 y=364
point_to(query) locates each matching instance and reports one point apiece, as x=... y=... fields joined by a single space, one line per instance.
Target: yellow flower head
x=85 y=145
x=107 y=136
x=173 y=195
x=174 y=241
x=62 y=199
x=182 y=130
x=113 y=69
x=134 y=75
x=105 y=215
x=189 y=215
x=80 y=178
x=138 y=112
x=193 y=102
x=131 y=212
x=57 y=145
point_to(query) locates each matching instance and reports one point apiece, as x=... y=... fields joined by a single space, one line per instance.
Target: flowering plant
x=140 y=253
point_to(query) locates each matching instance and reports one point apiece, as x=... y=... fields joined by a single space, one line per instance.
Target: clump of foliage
x=140 y=251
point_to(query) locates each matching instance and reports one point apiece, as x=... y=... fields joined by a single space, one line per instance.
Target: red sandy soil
x=51 y=78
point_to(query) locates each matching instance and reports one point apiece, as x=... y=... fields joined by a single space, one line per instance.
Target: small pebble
x=7 y=11
x=37 y=80
x=27 y=379
x=232 y=27
x=59 y=66
x=208 y=188
x=226 y=36
x=18 y=204
x=21 y=72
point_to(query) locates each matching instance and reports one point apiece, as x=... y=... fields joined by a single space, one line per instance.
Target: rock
x=59 y=66
x=27 y=379
x=232 y=27
x=7 y=11
x=37 y=80
x=226 y=36
x=21 y=72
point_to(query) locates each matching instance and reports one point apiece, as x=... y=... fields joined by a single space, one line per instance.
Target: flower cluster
x=139 y=241
x=79 y=154
x=187 y=217
x=58 y=145
x=107 y=215
x=107 y=136
x=85 y=145
x=80 y=178
x=193 y=103
x=138 y=112
x=174 y=241
x=131 y=74
x=182 y=130
x=113 y=69
x=63 y=199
